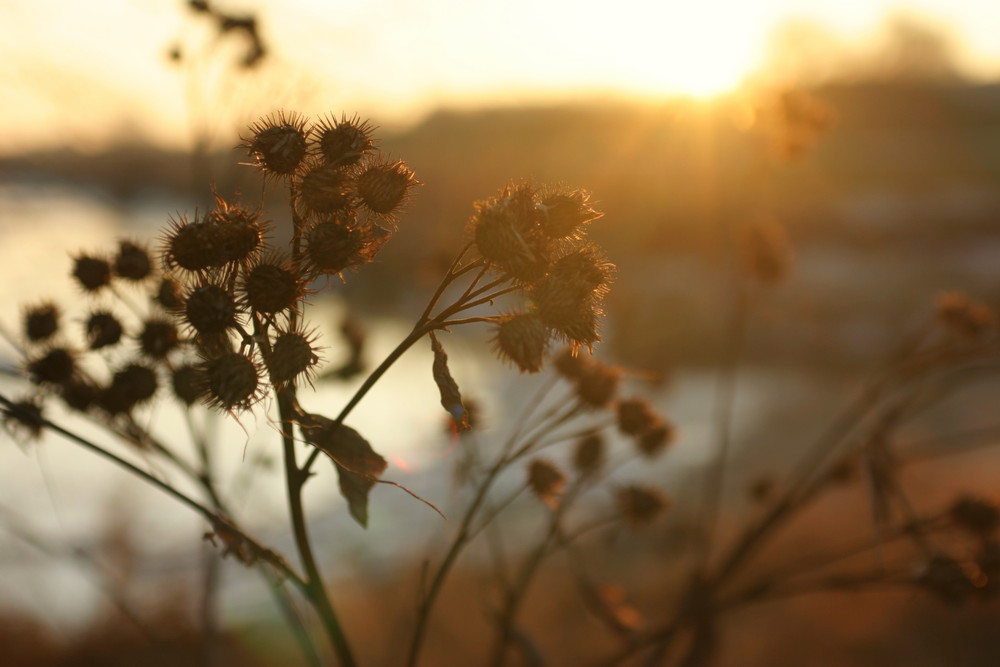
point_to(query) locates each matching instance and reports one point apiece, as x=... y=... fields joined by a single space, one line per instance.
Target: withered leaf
x=451 y=398
x=358 y=465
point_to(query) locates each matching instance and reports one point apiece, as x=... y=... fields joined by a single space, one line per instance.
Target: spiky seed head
x=277 y=143
x=383 y=186
x=588 y=455
x=522 y=338
x=635 y=416
x=93 y=273
x=102 y=329
x=292 y=355
x=506 y=231
x=333 y=245
x=565 y=212
x=188 y=244
x=132 y=262
x=271 y=286
x=570 y=364
x=546 y=480
x=188 y=383
x=131 y=386
x=656 y=438
x=232 y=381
x=344 y=142
x=597 y=385
x=79 y=394
x=158 y=338
x=24 y=415
x=237 y=233
x=639 y=504
x=326 y=189
x=41 y=322
x=169 y=294
x=210 y=309
x=584 y=269
x=57 y=366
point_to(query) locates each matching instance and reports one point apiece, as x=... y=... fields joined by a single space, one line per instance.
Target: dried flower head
x=132 y=385
x=565 y=211
x=588 y=455
x=656 y=438
x=93 y=273
x=293 y=355
x=237 y=233
x=41 y=322
x=522 y=338
x=507 y=231
x=326 y=189
x=384 y=186
x=344 y=142
x=188 y=244
x=636 y=416
x=169 y=294
x=158 y=338
x=277 y=143
x=546 y=481
x=132 y=262
x=271 y=286
x=598 y=384
x=188 y=383
x=102 y=329
x=333 y=245
x=210 y=309
x=962 y=315
x=232 y=381
x=639 y=504
x=56 y=366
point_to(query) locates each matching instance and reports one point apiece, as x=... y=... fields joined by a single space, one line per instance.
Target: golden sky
x=79 y=73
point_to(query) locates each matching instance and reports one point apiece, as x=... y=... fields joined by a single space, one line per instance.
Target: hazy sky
x=82 y=71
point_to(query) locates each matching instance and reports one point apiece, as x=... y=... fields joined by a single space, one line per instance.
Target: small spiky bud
x=292 y=355
x=169 y=294
x=640 y=504
x=55 y=367
x=635 y=416
x=102 y=329
x=546 y=481
x=506 y=231
x=158 y=338
x=333 y=245
x=25 y=415
x=132 y=262
x=188 y=383
x=383 y=186
x=522 y=338
x=344 y=142
x=93 y=273
x=237 y=233
x=232 y=381
x=272 y=286
x=565 y=212
x=278 y=143
x=41 y=321
x=656 y=438
x=131 y=386
x=588 y=455
x=210 y=309
x=326 y=189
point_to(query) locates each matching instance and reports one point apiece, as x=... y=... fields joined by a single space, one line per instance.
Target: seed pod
x=56 y=367
x=210 y=309
x=132 y=262
x=79 y=395
x=188 y=383
x=131 y=386
x=333 y=245
x=635 y=416
x=232 y=381
x=188 y=245
x=344 y=142
x=588 y=455
x=565 y=212
x=158 y=338
x=597 y=385
x=326 y=189
x=103 y=329
x=639 y=504
x=546 y=481
x=656 y=438
x=93 y=273
x=506 y=231
x=292 y=355
x=168 y=294
x=278 y=143
x=383 y=186
x=41 y=321
x=272 y=286
x=237 y=233
x=522 y=338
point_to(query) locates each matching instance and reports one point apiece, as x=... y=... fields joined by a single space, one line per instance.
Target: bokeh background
x=119 y=114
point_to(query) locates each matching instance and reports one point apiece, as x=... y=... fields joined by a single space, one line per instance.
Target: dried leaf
x=451 y=398
x=358 y=465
